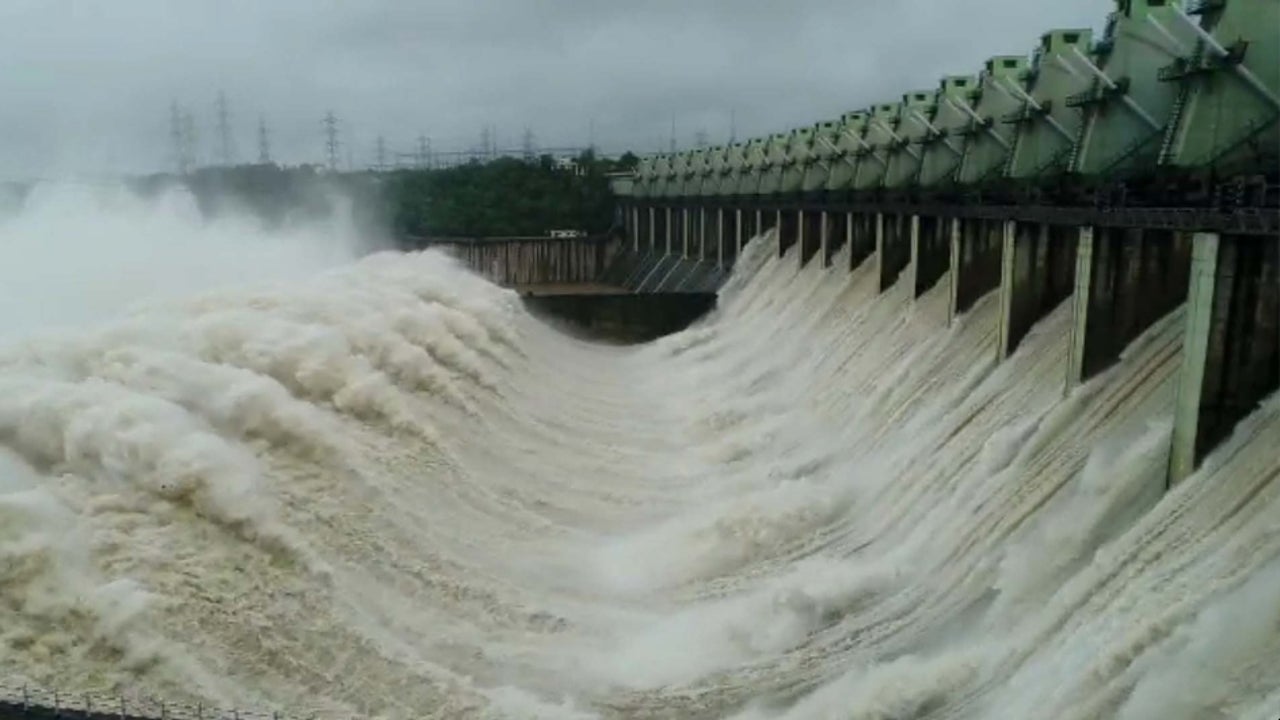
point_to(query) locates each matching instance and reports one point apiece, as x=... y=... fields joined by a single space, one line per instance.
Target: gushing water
x=378 y=487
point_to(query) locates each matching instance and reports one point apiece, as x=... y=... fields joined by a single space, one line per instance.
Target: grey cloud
x=85 y=86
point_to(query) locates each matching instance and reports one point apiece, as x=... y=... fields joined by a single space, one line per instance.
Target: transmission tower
x=528 y=146
x=176 y=138
x=672 y=147
x=226 y=153
x=188 y=141
x=380 y=152
x=264 y=142
x=733 y=126
x=700 y=138
x=424 y=152
x=331 y=139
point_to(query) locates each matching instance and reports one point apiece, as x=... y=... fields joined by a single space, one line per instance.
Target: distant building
x=569 y=165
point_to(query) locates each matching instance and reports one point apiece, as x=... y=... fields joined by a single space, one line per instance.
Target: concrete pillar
x=878 y=229
x=954 y=243
x=635 y=228
x=800 y=237
x=1080 y=307
x=653 y=242
x=687 y=231
x=720 y=255
x=737 y=231
x=1231 y=349
x=824 y=241
x=848 y=235
x=1008 y=269
x=1183 y=455
x=670 y=232
x=912 y=270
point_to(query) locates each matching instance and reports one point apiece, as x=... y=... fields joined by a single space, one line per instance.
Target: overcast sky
x=85 y=86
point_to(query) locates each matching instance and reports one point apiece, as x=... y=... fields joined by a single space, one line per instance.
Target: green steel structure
x=988 y=140
x=821 y=155
x=942 y=148
x=850 y=144
x=914 y=127
x=1048 y=126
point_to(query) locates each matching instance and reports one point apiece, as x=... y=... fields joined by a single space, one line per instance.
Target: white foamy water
x=379 y=488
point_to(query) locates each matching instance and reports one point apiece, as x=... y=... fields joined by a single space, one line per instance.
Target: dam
x=932 y=451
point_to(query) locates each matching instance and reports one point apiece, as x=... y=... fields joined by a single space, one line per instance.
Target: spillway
x=385 y=490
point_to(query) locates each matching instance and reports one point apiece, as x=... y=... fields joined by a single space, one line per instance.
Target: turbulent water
x=380 y=488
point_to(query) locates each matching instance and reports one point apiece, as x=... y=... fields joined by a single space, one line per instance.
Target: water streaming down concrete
x=389 y=491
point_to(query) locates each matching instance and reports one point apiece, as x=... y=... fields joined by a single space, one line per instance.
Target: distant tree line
x=503 y=197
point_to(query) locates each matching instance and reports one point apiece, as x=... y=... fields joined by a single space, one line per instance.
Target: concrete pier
x=1126 y=280
x=976 y=247
x=893 y=247
x=651 y=229
x=930 y=252
x=860 y=233
x=740 y=235
x=668 y=226
x=1038 y=264
x=686 y=231
x=1231 y=349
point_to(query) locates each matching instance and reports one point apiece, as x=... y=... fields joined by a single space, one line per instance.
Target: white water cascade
x=252 y=471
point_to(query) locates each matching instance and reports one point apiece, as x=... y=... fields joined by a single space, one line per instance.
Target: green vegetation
x=502 y=198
